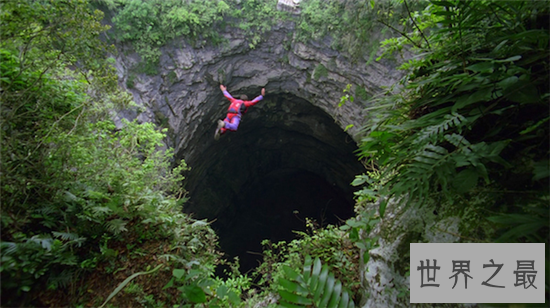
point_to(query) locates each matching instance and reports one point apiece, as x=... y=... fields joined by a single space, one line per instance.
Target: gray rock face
x=304 y=85
x=292 y=6
x=384 y=277
x=186 y=91
x=297 y=131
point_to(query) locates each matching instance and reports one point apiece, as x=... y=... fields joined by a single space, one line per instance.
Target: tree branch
x=400 y=32
x=417 y=27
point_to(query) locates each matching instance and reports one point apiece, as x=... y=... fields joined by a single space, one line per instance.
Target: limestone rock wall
x=300 y=113
x=384 y=278
x=185 y=95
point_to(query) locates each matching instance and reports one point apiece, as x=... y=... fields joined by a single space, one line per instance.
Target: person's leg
x=219 y=130
x=232 y=124
x=222 y=126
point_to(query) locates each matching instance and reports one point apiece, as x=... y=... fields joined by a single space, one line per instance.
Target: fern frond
x=72 y=238
x=65 y=235
x=430 y=133
x=429 y=157
x=100 y=210
x=44 y=241
x=316 y=286
x=457 y=140
x=430 y=166
x=8 y=247
x=116 y=226
x=61 y=279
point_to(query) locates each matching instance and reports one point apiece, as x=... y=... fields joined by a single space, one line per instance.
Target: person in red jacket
x=235 y=111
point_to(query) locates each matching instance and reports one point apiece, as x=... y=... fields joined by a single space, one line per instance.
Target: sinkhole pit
x=289 y=160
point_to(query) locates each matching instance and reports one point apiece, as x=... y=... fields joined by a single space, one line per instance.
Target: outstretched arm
x=257 y=99
x=225 y=93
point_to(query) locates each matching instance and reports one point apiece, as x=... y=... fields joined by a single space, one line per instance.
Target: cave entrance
x=288 y=161
x=275 y=206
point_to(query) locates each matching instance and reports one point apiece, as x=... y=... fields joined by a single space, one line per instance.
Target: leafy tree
x=466 y=130
x=40 y=96
x=255 y=17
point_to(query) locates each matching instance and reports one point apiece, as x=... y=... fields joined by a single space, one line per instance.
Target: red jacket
x=238 y=106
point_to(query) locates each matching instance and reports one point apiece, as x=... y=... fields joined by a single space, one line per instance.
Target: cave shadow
x=288 y=161
x=274 y=208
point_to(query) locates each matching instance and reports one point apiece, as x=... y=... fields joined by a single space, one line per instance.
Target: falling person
x=236 y=109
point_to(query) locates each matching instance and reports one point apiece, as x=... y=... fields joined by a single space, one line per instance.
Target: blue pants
x=232 y=122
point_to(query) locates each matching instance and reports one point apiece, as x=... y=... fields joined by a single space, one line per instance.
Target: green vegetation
x=83 y=201
x=351 y=25
x=362 y=93
x=317 y=19
x=91 y=211
x=172 y=77
x=469 y=121
x=287 y=267
x=468 y=130
x=316 y=286
x=130 y=80
x=255 y=18
x=334 y=246
x=320 y=72
x=152 y=24
x=149 y=25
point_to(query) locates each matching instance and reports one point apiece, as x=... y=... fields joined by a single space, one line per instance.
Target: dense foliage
x=315 y=286
x=149 y=25
x=82 y=199
x=466 y=131
x=355 y=27
x=470 y=118
x=91 y=210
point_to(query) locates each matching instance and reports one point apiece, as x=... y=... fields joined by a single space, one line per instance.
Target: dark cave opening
x=289 y=160
x=276 y=206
